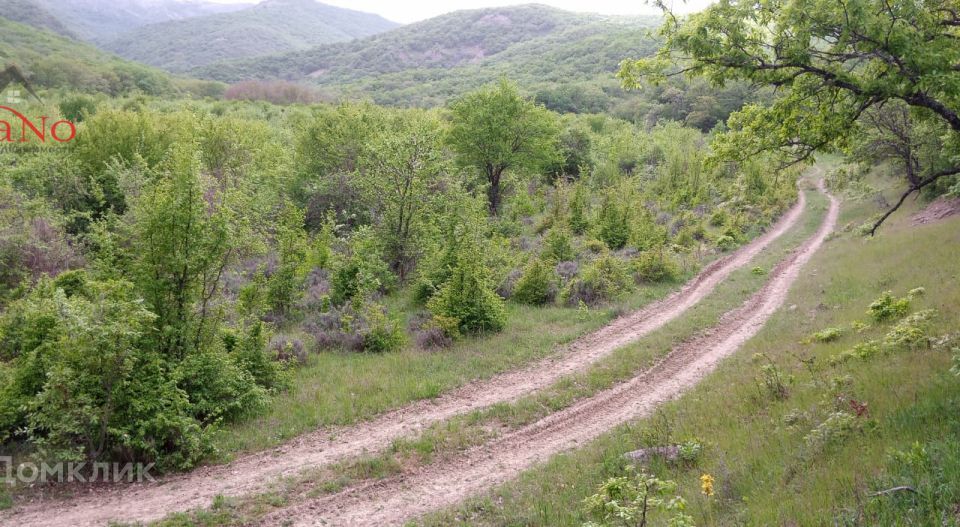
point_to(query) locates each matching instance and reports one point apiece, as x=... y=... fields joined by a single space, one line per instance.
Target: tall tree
x=829 y=60
x=495 y=129
x=401 y=165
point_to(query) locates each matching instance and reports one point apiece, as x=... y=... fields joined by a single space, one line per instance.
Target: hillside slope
x=425 y=63
x=53 y=61
x=101 y=20
x=271 y=27
x=30 y=13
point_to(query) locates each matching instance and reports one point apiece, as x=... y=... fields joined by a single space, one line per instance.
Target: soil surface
x=939 y=209
x=255 y=472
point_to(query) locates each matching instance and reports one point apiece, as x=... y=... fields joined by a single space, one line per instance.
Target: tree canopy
x=829 y=61
x=496 y=129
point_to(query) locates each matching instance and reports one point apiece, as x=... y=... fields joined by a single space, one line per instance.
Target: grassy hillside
x=426 y=63
x=274 y=26
x=101 y=20
x=56 y=62
x=33 y=14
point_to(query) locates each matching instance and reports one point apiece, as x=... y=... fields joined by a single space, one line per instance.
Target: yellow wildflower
x=706 y=484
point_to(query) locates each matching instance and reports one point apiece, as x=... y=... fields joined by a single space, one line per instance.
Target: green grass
x=343 y=388
x=462 y=432
x=765 y=475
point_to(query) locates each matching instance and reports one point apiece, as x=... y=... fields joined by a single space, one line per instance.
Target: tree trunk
x=493 y=193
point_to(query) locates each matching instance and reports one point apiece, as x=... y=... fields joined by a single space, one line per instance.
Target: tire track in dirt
x=254 y=472
x=397 y=500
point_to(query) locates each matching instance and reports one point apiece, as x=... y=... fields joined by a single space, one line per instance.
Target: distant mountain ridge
x=30 y=13
x=272 y=26
x=424 y=64
x=102 y=20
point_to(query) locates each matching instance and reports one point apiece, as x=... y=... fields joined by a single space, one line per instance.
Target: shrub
x=362 y=272
x=249 y=350
x=468 y=298
x=834 y=430
x=219 y=387
x=83 y=384
x=771 y=379
x=557 y=246
x=383 y=334
x=655 y=267
x=285 y=348
x=603 y=280
x=911 y=331
x=579 y=213
x=613 y=224
x=77 y=108
x=888 y=307
x=537 y=286
x=635 y=499
x=690 y=451
x=595 y=246
x=725 y=242
x=827 y=335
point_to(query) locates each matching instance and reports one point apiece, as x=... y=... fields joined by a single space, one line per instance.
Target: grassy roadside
x=477 y=427
x=343 y=388
x=784 y=461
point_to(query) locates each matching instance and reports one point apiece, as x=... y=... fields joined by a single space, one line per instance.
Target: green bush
x=84 y=386
x=557 y=246
x=538 y=284
x=362 y=272
x=725 y=242
x=468 y=297
x=383 y=335
x=602 y=281
x=78 y=107
x=249 y=351
x=827 y=335
x=654 y=267
x=579 y=211
x=613 y=224
x=219 y=389
x=888 y=307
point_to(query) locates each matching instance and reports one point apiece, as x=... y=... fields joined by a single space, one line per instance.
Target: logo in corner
x=61 y=131
x=13 y=74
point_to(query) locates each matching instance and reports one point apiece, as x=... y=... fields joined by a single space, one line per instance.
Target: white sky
x=406 y=11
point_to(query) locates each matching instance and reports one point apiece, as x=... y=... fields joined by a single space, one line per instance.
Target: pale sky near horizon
x=411 y=11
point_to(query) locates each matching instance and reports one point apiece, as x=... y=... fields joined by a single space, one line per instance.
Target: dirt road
x=397 y=500
x=254 y=472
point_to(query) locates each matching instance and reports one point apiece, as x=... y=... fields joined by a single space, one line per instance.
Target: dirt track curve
x=397 y=500
x=254 y=472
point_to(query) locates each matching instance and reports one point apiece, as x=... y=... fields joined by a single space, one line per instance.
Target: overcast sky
x=412 y=11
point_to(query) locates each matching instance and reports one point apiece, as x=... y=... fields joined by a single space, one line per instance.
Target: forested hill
x=102 y=20
x=273 y=26
x=428 y=62
x=32 y=14
x=56 y=62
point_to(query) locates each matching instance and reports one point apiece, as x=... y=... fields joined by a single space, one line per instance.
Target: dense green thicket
x=566 y=60
x=203 y=248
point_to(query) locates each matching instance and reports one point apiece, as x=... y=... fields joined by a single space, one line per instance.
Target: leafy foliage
x=833 y=63
x=467 y=297
x=636 y=499
x=537 y=285
x=495 y=129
